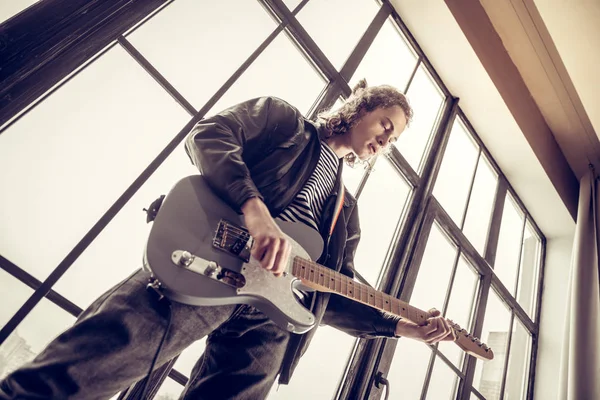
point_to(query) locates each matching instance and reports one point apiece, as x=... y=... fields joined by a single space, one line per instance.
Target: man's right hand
x=271 y=247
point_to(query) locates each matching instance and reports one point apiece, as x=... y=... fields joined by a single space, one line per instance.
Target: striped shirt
x=308 y=204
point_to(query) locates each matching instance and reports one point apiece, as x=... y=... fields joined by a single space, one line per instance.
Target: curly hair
x=363 y=100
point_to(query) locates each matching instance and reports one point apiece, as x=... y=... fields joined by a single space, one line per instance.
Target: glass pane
x=351 y=176
x=188 y=357
x=291 y=4
x=479 y=212
x=456 y=172
x=13 y=294
x=319 y=372
x=44 y=323
x=282 y=71
x=408 y=369
x=488 y=374
x=380 y=206
x=460 y=307
x=434 y=273
x=118 y=250
x=9 y=9
x=426 y=100
x=444 y=382
x=169 y=390
x=337 y=27
x=517 y=375
x=198 y=45
x=400 y=60
x=73 y=155
x=528 y=274
x=509 y=244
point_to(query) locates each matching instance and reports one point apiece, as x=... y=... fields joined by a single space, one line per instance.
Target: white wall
x=552 y=319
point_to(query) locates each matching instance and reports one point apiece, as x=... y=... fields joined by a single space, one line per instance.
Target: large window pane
x=509 y=244
x=118 y=250
x=518 y=363
x=66 y=162
x=444 y=382
x=13 y=293
x=42 y=325
x=380 y=206
x=282 y=71
x=460 y=307
x=528 y=274
x=198 y=45
x=319 y=372
x=456 y=172
x=408 y=369
x=488 y=374
x=426 y=100
x=481 y=202
x=188 y=357
x=337 y=26
x=400 y=60
x=169 y=390
x=434 y=273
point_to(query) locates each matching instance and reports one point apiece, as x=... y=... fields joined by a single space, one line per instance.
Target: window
x=426 y=100
x=335 y=26
x=380 y=207
x=42 y=325
x=400 y=60
x=456 y=172
x=198 y=45
x=529 y=270
x=509 y=244
x=75 y=153
x=67 y=160
x=479 y=211
x=496 y=327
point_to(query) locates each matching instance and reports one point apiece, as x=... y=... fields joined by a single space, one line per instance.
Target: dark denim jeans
x=113 y=342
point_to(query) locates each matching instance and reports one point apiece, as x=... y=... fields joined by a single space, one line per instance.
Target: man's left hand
x=435 y=330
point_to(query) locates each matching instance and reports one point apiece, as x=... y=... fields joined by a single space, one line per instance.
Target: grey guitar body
x=193 y=255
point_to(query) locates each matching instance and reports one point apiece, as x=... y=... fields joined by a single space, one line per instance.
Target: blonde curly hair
x=363 y=100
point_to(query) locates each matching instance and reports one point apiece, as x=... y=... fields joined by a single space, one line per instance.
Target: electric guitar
x=199 y=254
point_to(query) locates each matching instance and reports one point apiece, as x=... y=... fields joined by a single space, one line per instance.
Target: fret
x=387 y=305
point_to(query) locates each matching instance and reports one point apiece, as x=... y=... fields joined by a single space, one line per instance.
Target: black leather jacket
x=265 y=148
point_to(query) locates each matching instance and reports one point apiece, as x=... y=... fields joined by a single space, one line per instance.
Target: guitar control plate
x=209 y=269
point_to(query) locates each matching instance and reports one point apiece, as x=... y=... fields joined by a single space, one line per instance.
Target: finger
x=271 y=253
x=434 y=313
x=442 y=332
x=259 y=248
x=282 y=258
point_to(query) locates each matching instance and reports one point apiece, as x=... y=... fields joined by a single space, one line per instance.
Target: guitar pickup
x=233 y=239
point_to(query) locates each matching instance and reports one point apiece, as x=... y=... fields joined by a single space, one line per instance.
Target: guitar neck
x=325 y=279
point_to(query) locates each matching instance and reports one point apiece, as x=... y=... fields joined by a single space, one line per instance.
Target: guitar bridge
x=233 y=239
x=209 y=269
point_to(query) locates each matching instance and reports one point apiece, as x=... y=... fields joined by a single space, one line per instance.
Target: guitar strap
x=339 y=202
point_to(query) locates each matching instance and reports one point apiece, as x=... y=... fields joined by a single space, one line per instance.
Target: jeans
x=112 y=344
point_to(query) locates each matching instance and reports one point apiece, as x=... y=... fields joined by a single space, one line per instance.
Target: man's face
x=376 y=130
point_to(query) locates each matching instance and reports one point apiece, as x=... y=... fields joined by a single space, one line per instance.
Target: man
x=266 y=161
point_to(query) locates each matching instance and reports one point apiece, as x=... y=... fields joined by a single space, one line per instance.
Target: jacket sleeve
x=352 y=317
x=219 y=145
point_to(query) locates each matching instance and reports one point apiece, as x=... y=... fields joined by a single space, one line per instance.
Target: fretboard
x=327 y=280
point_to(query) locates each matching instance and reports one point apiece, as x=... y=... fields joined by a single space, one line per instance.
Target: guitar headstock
x=471 y=344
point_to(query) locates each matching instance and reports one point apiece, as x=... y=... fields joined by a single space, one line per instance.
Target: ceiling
x=555 y=45
x=499 y=59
